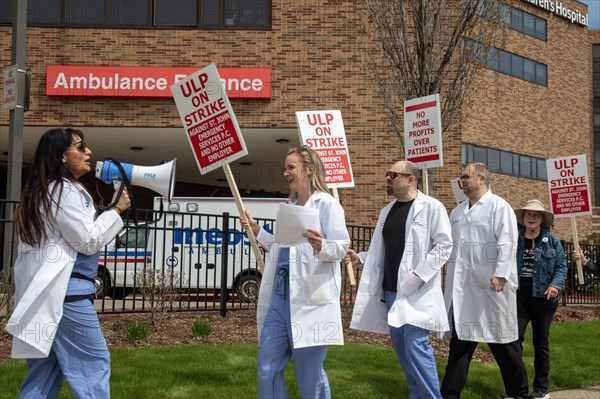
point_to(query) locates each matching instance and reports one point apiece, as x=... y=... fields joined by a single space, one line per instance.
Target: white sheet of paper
x=292 y=222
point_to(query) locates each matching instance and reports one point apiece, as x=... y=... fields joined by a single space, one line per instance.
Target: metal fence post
x=224 y=265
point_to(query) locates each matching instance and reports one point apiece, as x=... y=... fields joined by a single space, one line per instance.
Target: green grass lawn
x=354 y=370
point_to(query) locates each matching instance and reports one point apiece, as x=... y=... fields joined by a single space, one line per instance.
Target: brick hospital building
x=535 y=100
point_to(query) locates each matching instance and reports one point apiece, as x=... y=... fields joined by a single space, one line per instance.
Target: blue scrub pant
x=415 y=355
x=274 y=354
x=79 y=354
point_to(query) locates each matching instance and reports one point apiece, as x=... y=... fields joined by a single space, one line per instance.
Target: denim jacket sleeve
x=559 y=274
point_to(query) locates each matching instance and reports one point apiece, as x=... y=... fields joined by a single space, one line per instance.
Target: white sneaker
x=540 y=395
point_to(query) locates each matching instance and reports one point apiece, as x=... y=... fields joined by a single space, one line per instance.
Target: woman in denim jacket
x=542 y=271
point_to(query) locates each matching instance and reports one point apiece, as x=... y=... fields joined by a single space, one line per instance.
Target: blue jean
x=276 y=349
x=79 y=354
x=415 y=355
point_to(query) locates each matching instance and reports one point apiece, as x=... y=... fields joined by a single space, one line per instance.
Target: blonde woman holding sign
x=299 y=310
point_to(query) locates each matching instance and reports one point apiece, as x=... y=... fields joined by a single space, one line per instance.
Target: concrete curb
x=579 y=393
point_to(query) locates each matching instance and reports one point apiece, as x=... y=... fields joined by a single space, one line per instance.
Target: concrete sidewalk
x=579 y=393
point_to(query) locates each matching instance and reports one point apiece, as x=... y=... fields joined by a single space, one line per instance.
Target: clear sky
x=594 y=12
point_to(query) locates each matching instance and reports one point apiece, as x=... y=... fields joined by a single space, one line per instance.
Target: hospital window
x=518 y=67
x=516 y=19
x=505 y=162
x=511 y=64
x=202 y=14
x=527 y=23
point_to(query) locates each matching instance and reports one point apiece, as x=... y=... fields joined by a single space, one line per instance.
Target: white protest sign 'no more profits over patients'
x=212 y=129
x=323 y=132
x=423 y=131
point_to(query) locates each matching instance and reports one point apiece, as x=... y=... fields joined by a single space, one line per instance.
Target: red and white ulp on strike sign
x=207 y=116
x=323 y=131
x=569 y=186
x=423 y=131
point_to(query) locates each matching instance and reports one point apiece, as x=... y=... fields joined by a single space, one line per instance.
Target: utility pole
x=17 y=115
x=15 y=130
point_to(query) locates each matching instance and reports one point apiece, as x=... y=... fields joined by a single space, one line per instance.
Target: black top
x=528 y=266
x=394 y=237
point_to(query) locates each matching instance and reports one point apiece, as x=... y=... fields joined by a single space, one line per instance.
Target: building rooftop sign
x=558 y=8
x=101 y=81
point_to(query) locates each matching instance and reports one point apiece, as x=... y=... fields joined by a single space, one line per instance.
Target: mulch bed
x=240 y=327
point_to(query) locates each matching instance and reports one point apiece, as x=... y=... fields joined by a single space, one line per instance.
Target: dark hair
x=411 y=168
x=31 y=216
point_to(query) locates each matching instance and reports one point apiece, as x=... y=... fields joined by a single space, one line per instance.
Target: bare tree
x=424 y=47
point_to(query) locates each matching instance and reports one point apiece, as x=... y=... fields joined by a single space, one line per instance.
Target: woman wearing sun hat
x=542 y=271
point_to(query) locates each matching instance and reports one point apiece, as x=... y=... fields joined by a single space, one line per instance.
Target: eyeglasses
x=393 y=175
x=80 y=145
x=466 y=177
x=532 y=215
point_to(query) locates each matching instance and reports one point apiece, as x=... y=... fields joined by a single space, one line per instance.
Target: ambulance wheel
x=102 y=283
x=247 y=288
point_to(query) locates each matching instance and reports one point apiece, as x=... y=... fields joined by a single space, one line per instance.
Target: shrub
x=160 y=291
x=138 y=331
x=201 y=329
x=7 y=295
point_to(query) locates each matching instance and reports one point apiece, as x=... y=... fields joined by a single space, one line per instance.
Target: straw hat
x=535 y=205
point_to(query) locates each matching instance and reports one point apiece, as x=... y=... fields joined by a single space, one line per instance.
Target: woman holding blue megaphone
x=55 y=325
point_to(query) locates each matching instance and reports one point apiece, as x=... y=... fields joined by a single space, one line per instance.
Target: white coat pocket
x=318 y=289
x=410 y=285
x=481 y=275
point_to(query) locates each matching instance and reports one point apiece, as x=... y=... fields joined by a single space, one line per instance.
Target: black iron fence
x=589 y=291
x=188 y=261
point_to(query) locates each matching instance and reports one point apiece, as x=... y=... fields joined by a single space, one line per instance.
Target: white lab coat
x=42 y=273
x=315 y=279
x=485 y=243
x=419 y=301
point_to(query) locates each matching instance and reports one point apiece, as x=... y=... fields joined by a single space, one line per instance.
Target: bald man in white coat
x=400 y=287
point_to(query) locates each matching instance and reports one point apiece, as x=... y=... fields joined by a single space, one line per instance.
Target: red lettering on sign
x=194 y=86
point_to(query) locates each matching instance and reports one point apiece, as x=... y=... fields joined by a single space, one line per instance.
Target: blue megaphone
x=159 y=178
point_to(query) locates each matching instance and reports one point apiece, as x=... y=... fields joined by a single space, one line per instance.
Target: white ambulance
x=187 y=238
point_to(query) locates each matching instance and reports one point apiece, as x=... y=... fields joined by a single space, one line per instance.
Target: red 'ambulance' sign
x=423 y=131
x=323 y=131
x=569 y=186
x=207 y=116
